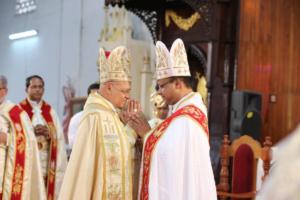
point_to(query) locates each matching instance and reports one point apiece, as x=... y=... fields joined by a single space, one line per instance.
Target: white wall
x=66 y=46
x=81 y=24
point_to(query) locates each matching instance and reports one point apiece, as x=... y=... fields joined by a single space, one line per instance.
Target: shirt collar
x=3 y=102
x=34 y=103
x=181 y=102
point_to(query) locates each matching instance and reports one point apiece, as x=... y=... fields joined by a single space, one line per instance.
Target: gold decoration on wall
x=201 y=87
x=115 y=27
x=182 y=23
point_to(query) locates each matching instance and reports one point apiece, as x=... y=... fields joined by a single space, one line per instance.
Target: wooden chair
x=77 y=104
x=242 y=155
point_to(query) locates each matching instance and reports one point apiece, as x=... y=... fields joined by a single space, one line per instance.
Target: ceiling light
x=23 y=34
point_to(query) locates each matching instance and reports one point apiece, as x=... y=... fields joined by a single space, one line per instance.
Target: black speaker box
x=245 y=115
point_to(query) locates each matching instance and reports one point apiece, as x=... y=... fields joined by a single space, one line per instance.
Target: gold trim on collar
x=181 y=101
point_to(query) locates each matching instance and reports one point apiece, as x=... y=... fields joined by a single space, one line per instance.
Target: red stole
x=151 y=142
x=46 y=108
x=20 y=151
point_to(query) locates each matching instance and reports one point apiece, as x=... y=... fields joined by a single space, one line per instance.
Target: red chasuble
x=46 y=108
x=190 y=111
x=19 y=158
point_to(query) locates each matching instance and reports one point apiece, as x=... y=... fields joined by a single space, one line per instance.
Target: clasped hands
x=42 y=130
x=3 y=138
x=135 y=118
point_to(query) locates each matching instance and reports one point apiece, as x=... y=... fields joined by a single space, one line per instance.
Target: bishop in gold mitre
x=100 y=166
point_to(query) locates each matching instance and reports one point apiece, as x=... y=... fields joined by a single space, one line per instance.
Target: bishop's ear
x=110 y=87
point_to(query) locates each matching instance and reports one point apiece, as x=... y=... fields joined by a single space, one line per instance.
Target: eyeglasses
x=125 y=92
x=36 y=87
x=161 y=86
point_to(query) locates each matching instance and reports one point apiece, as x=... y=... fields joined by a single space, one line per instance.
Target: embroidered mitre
x=173 y=63
x=115 y=66
x=157 y=100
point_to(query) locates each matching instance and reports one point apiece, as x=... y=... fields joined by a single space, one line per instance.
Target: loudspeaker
x=245 y=115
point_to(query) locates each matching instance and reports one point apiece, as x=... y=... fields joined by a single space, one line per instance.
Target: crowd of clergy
x=174 y=163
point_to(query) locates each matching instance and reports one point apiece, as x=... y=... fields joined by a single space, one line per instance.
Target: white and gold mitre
x=157 y=100
x=115 y=67
x=173 y=63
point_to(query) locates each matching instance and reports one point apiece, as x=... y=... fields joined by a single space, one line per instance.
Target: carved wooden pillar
x=145 y=83
x=266 y=156
x=224 y=173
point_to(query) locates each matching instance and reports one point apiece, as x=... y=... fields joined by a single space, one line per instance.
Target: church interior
x=243 y=53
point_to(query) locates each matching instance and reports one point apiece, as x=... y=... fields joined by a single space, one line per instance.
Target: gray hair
x=3 y=81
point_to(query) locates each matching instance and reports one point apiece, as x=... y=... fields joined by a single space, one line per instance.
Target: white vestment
x=61 y=156
x=154 y=122
x=283 y=182
x=28 y=186
x=73 y=126
x=180 y=167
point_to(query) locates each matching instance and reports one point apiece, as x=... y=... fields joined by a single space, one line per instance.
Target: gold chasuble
x=19 y=161
x=100 y=163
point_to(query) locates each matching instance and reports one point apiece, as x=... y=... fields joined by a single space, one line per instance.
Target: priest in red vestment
x=49 y=135
x=19 y=159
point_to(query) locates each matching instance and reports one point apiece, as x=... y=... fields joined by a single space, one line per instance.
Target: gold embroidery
x=159 y=131
x=20 y=138
x=52 y=131
x=116 y=66
x=122 y=153
x=18 y=127
x=114 y=192
x=17 y=184
x=113 y=144
x=173 y=62
x=114 y=163
x=184 y=24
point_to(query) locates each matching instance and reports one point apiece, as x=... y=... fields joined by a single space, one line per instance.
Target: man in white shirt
x=74 y=122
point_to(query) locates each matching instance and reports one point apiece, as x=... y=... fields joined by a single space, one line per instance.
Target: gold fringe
x=184 y=24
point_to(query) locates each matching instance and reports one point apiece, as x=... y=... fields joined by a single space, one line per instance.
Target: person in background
x=283 y=182
x=20 y=170
x=161 y=110
x=74 y=122
x=49 y=135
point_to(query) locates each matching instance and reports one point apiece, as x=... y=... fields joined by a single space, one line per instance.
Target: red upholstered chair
x=242 y=156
